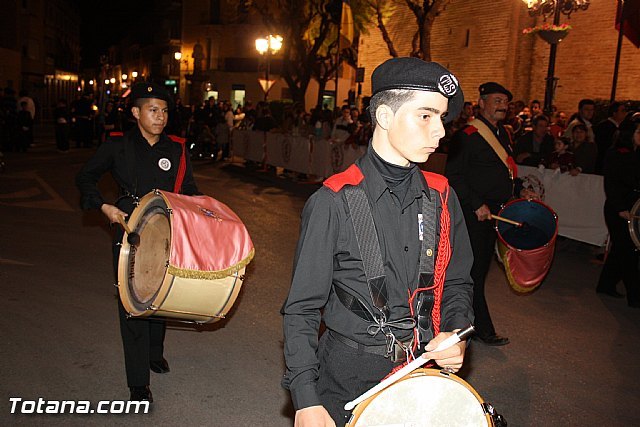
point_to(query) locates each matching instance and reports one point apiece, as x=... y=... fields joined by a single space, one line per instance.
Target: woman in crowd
x=585 y=151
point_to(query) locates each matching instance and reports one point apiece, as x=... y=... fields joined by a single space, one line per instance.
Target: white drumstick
x=410 y=367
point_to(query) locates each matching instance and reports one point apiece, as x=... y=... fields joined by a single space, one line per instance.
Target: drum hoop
x=123 y=264
x=359 y=409
x=511 y=202
x=634 y=213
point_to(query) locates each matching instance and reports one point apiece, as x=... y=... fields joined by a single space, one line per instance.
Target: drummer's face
x=152 y=116
x=416 y=128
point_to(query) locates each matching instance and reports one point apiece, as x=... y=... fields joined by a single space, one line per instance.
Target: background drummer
x=622 y=188
x=481 y=168
x=410 y=100
x=143 y=159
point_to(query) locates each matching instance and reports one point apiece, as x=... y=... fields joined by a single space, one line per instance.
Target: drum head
x=539 y=224
x=426 y=397
x=149 y=259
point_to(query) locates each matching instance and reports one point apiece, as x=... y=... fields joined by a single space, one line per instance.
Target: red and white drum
x=425 y=397
x=190 y=262
x=526 y=251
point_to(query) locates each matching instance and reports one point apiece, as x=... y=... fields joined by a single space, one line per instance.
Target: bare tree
x=425 y=11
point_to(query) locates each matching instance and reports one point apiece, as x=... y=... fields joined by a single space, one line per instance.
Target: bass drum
x=526 y=251
x=190 y=262
x=634 y=223
x=426 y=397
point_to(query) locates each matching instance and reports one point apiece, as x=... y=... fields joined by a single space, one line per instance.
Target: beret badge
x=448 y=85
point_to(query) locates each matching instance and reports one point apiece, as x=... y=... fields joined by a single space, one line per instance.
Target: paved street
x=573 y=358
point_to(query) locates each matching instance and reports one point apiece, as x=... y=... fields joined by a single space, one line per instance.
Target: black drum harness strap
x=369 y=247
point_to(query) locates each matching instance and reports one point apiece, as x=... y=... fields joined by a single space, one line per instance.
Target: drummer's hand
x=112 y=212
x=450 y=358
x=625 y=215
x=313 y=416
x=483 y=213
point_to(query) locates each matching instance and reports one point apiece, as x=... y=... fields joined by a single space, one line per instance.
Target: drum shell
x=527 y=268
x=449 y=400
x=200 y=300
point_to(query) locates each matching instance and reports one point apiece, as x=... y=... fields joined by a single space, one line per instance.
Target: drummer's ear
x=384 y=116
x=136 y=112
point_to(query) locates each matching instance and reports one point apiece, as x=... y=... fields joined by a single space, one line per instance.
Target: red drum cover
x=208 y=240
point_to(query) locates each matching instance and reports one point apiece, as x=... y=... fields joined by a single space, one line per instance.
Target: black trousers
x=482 y=235
x=622 y=259
x=346 y=373
x=142 y=339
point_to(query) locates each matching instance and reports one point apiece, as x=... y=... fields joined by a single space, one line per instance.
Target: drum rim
x=359 y=409
x=633 y=232
x=511 y=202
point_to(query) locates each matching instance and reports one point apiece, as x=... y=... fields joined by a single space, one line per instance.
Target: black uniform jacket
x=155 y=167
x=475 y=170
x=621 y=179
x=328 y=256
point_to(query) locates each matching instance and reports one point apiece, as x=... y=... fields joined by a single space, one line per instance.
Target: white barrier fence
x=578 y=200
x=309 y=155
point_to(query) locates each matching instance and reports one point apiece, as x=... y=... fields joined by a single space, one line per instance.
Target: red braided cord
x=442 y=261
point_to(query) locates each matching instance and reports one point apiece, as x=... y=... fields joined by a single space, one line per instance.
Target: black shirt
x=475 y=170
x=327 y=255
x=156 y=167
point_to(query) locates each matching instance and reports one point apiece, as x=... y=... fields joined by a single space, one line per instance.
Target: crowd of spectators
x=574 y=145
x=571 y=143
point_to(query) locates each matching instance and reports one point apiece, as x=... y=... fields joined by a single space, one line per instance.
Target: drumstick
x=409 y=367
x=124 y=224
x=133 y=238
x=507 y=220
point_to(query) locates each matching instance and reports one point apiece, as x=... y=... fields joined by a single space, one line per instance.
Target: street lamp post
x=547 y=8
x=268 y=46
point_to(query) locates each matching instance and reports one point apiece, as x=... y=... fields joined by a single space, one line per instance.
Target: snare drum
x=425 y=397
x=527 y=251
x=190 y=262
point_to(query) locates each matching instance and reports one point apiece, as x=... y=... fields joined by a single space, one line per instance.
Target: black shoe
x=494 y=340
x=141 y=393
x=612 y=293
x=160 y=367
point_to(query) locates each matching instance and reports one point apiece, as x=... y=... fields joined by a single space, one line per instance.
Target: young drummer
x=383 y=257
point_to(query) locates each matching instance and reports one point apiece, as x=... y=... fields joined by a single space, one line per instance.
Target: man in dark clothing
x=536 y=145
x=82 y=112
x=374 y=307
x=481 y=168
x=605 y=132
x=142 y=160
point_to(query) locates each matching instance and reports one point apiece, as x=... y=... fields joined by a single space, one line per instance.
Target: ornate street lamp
x=268 y=46
x=548 y=8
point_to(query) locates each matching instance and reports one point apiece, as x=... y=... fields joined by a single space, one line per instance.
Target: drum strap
x=369 y=247
x=130 y=160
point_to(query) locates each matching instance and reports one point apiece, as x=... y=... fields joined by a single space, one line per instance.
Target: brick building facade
x=482 y=41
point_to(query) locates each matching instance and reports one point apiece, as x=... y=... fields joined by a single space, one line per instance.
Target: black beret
x=150 y=90
x=493 y=87
x=409 y=73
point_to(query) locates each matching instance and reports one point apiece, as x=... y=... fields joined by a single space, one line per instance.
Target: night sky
x=110 y=24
